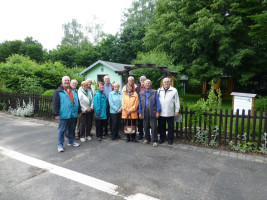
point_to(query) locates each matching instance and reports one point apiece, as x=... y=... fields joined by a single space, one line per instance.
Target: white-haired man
x=66 y=108
x=131 y=82
x=170 y=105
x=140 y=88
x=108 y=87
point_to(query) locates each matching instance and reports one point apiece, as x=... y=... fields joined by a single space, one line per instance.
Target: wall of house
x=100 y=69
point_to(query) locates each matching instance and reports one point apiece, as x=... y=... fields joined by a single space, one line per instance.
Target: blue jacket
x=114 y=100
x=100 y=104
x=62 y=105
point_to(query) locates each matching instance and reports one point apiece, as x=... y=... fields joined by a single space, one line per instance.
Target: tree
x=135 y=21
x=73 y=33
x=208 y=38
x=65 y=54
x=157 y=58
x=8 y=48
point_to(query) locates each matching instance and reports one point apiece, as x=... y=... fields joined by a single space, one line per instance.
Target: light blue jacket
x=115 y=101
x=100 y=104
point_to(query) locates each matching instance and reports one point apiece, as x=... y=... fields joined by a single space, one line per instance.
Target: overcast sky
x=43 y=19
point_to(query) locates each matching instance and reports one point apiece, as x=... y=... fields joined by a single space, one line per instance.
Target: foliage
x=28 y=47
x=261 y=103
x=48 y=93
x=202 y=137
x=26 y=110
x=157 y=58
x=213 y=102
x=244 y=146
x=208 y=39
x=73 y=33
x=21 y=75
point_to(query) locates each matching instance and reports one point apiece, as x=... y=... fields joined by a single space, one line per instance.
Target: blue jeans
x=64 y=124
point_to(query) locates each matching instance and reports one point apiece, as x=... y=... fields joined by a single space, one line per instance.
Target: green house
x=99 y=69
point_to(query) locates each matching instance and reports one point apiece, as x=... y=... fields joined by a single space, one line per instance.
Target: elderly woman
x=130 y=103
x=115 y=110
x=86 y=102
x=100 y=107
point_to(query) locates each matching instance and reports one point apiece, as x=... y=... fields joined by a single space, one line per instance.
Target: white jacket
x=169 y=102
x=85 y=101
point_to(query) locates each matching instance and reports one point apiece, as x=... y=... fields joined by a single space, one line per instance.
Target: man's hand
x=140 y=116
x=80 y=114
x=57 y=117
x=119 y=111
x=157 y=114
x=176 y=114
x=128 y=112
x=97 y=116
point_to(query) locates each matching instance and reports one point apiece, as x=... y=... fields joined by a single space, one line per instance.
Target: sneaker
x=155 y=144
x=74 y=144
x=60 y=149
x=140 y=137
x=89 y=138
x=99 y=139
x=104 y=137
x=82 y=140
x=161 y=141
x=145 y=142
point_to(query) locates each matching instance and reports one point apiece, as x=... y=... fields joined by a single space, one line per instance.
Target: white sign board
x=242 y=103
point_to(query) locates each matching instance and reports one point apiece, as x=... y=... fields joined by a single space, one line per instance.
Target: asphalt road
x=159 y=172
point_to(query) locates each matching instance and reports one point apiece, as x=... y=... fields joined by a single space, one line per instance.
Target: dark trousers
x=170 y=122
x=140 y=127
x=116 y=120
x=85 y=124
x=99 y=123
x=153 y=123
x=107 y=122
x=129 y=124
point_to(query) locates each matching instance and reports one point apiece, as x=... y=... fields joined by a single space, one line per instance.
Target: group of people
x=139 y=105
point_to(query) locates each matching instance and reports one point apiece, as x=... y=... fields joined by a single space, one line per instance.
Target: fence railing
x=224 y=126
x=42 y=105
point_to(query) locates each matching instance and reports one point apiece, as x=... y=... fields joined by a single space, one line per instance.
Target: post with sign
x=244 y=101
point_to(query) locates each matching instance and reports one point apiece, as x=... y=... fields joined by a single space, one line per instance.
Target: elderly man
x=65 y=109
x=140 y=88
x=170 y=105
x=73 y=85
x=108 y=87
x=149 y=110
x=131 y=82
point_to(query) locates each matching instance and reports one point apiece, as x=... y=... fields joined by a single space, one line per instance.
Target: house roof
x=113 y=66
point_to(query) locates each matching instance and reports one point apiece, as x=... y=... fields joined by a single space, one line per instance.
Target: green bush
x=48 y=93
x=261 y=103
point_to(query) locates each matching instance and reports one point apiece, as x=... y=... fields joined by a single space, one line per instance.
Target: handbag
x=129 y=129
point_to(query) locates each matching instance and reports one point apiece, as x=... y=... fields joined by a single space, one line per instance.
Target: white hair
x=130 y=77
x=74 y=80
x=166 y=78
x=65 y=77
x=142 y=77
x=106 y=76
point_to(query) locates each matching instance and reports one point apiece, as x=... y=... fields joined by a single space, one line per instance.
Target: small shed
x=99 y=69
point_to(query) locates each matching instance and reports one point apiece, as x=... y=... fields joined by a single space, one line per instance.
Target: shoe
x=113 y=138
x=104 y=137
x=155 y=144
x=90 y=134
x=60 y=149
x=134 y=140
x=89 y=138
x=74 y=144
x=76 y=138
x=169 y=142
x=119 y=137
x=128 y=140
x=145 y=142
x=82 y=140
x=99 y=139
x=140 y=137
x=161 y=141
